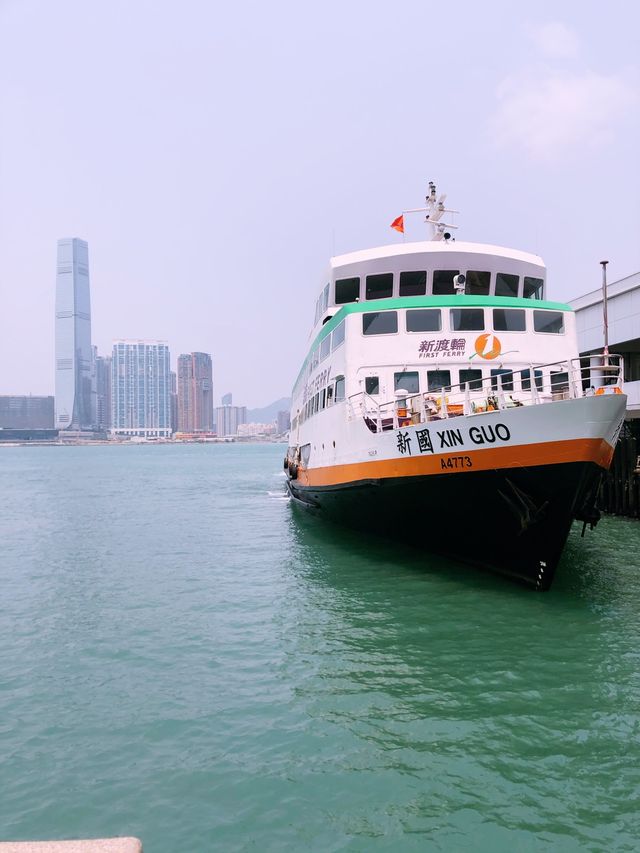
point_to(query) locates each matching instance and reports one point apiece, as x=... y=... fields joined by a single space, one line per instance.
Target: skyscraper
x=74 y=373
x=195 y=392
x=141 y=389
x=103 y=391
x=173 y=407
x=229 y=418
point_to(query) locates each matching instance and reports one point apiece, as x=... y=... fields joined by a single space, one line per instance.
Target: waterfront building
x=229 y=418
x=74 y=382
x=195 y=393
x=227 y=399
x=255 y=430
x=623 y=311
x=103 y=391
x=141 y=389
x=173 y=382
x=283 y=422
x=26 y=412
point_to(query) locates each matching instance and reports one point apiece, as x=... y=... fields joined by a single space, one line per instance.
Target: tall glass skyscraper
x=141 y=389
x=74 y=356
x=195 y=392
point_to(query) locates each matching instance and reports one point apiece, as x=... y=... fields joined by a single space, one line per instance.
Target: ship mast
x=434 y=209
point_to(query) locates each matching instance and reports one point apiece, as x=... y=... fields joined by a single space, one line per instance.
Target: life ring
x=616 y=389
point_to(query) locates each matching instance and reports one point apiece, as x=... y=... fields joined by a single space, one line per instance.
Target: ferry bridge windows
x=406 y=380
x=372 y=385
x=505 y=377
x=443 y=282
x=549 y=322
x=337 y=336
x=339 y=389
x=424 y=320
x=509 y=320
x=380 y=323
x=506 y=284
x=325 y=347
x=467 y=319
x=533 y=287
x=473 y=377
x=413 y=283
x=347 y=290
x=477 y=283
x=325 y=298
x=438 y=379
x=379 y=286
x=526 y=379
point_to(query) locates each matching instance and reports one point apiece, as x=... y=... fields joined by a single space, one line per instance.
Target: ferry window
x=339 y=389
x=467 y=319
x=559 y=381
x=473 y=377
x=325 y=298
x=379 y=286
x=443 y=282
x=337 y=336
x=380 y=323
x=551 y=322
x=323 y=398
x=437 y=379
x=305 y=453
x=329 y=395
x=526 y=379
x=372 y=385
x=325 y=347
x=406 y=380
x=509 y=320
x=317 y=314
x=533 y=287
x=506 y=285
x=413 y=283
x=347 y=290
x=316 y=402
x=424 y=320
x=506 y=379
x=477 y=283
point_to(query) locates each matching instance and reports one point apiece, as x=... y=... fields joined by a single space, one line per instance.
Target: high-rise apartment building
x=229 y=418
x=141 y=389
x=227 y=399
x=74 y=399
x=173 y=402
x=103 y=391
x=195 y=392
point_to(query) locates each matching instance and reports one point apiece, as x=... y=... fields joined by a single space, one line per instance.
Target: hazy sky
x=214 y=155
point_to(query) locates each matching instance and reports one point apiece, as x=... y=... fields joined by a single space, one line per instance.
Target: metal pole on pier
x=603 y=264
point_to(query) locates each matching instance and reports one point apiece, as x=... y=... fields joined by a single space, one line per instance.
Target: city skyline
x=212 y=201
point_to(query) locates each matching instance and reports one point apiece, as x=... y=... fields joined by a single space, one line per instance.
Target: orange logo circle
x=488 y=346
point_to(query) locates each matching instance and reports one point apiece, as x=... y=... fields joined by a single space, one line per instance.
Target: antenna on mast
x=435 y=208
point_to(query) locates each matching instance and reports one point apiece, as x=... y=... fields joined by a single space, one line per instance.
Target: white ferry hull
x=497 y=489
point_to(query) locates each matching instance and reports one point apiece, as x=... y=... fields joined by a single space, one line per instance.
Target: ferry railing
x=527 y=385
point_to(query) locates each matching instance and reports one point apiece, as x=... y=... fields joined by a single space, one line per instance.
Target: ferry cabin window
x=424 y=320
x=380 y=323
x=316 y=402
x=437 y=379
x=379 y=286
x=406 y=380
x=549 y=322
x=526 y=379
x=467 y=319
x=347 y=290
x=443 y=282
x=477 y=283
x=559 y=381
x=509 y=320
x=339 y=389
x=413 y=283
x=305 y=453
x=325 y=298
x=506 y=379
x=533 y=287
x=337 y=336
x=329 y=395
x=473 y=377
x=372 y=385
x=325 y=347
x=323 y=398
x=506 y=285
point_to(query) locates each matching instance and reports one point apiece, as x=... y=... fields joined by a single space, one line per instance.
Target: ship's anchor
x=523 y=506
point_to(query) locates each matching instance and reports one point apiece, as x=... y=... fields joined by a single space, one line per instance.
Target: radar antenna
x=434 y=208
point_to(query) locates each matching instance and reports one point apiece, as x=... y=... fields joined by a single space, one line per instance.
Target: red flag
x=398 y=224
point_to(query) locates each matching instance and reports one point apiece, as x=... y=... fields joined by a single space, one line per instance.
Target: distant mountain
x=268 y=413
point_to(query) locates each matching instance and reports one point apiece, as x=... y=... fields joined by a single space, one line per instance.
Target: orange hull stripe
x=595 y=450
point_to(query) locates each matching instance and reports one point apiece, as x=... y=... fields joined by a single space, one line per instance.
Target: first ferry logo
x=488 y=346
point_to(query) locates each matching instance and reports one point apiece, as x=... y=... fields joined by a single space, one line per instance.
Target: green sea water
x=186 y=657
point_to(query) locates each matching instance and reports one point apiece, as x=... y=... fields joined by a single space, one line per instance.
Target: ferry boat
x=442 y=401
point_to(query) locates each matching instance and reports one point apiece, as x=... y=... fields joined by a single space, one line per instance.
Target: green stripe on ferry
x=426 y=302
